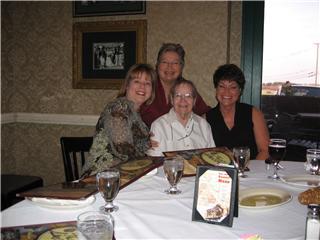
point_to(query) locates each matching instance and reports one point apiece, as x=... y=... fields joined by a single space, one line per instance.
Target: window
x=288 y=65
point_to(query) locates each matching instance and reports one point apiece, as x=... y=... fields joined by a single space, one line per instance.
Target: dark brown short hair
x=230 y=72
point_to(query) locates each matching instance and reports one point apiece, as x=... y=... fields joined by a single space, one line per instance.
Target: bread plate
x=305 y=180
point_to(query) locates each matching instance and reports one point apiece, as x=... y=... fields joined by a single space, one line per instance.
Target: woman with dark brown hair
x=236 y=124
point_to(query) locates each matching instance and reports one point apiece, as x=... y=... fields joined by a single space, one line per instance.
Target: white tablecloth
x=146 y=212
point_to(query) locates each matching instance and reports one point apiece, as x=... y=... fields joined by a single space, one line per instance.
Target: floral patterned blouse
x=120 y=136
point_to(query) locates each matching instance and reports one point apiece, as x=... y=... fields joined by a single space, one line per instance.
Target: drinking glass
x=95 y=225
x=242 y=158
x=173 y=169
x=277 y=149
x=313 y=161
x=108 y=183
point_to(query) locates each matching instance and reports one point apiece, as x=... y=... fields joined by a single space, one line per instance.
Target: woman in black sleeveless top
x=233 y=123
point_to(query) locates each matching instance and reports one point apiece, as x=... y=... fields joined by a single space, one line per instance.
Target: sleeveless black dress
x=242 y=132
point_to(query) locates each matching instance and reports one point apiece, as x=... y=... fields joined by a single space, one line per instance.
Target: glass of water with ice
x=94 y=225
x=313 y=161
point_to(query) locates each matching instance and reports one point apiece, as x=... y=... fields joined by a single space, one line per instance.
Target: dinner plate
x=263 y=198
x=62 y=204
x=302 y=180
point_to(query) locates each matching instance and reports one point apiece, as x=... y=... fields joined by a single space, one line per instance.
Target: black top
x=240 y=135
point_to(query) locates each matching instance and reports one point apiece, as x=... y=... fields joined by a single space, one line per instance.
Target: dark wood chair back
x=74 y=153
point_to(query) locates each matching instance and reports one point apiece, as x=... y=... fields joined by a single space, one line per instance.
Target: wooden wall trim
x=46 y=118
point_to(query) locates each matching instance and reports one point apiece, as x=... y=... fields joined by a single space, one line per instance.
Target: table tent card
x=215 y=193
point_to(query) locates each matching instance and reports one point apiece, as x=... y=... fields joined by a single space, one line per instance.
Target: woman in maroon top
x=169 y=66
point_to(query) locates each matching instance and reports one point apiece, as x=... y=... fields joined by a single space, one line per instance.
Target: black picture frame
x=104 y=51
x=107 y=8
x=215 y=195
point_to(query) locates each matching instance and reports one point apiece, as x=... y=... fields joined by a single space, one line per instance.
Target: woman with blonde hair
x=121 y=135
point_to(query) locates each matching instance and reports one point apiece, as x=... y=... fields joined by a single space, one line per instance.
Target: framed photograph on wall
x=104 y=51
x=107 y=8
x=215 y=195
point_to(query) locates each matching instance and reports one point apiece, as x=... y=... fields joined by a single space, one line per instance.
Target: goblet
x=277 y=149
x=313 y=161
x=95 y=225
x=108 y=183
x=173 y=169
x=242 y=158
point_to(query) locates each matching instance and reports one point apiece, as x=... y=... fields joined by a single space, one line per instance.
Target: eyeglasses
x=170 y=63
x=180 y=96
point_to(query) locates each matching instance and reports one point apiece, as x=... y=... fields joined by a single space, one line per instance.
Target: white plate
x=263 y=198
x=62 y=204
x=302 y=180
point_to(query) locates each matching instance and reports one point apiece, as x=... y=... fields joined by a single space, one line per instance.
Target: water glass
x=173 y=170
x=313 y=161
x=94 y=225
x=241 y=158
x=108 y=183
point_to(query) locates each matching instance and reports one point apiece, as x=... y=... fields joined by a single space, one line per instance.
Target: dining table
x=147 y=212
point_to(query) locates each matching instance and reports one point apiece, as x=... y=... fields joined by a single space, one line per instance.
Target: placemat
x=129 y=172
x=57 y=230
x=133 y=170
x=217 y=156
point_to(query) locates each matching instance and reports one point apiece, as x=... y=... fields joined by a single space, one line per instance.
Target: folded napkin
x=62 y=202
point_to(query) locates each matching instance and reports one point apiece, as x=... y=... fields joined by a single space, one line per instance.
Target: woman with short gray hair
x=181 y=128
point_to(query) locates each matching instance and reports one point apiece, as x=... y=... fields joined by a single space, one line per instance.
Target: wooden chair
x=74 y=153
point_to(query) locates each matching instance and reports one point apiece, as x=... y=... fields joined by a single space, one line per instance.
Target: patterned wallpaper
x=36 y=56
x=34 y=149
